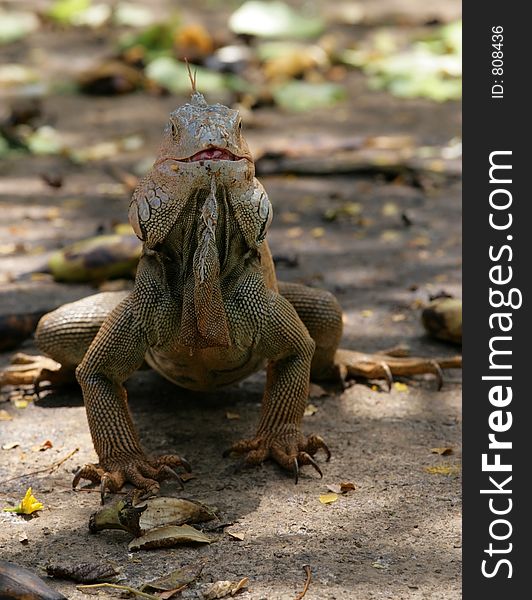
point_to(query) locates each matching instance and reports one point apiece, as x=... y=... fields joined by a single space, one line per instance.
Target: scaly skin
x=206 y=310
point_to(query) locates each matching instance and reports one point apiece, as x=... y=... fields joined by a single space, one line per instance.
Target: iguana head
x=200 y=134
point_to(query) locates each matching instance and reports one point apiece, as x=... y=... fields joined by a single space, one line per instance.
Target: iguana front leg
x=116 y=352
x=287 y=344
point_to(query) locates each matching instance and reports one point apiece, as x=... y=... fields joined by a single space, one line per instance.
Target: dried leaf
x=347 y=486
x=390 y=209
x=334 y=488
x=221 y=589
x=366 y=313
x=10 y=445
x=328 y=498
x=45 y=446
x=174 y=580
x=317 y=232
x=95 y=259
x=21 y=403
x=445 y=451
x=232 y=416
x=5 y=416
x=168 y=536
x=28 y=505
x=173 y=511
x=83 y=572
x=398 y=318
x=443 y=470
x=235 y=535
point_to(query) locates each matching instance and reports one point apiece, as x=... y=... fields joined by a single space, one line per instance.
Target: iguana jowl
x=206 y=310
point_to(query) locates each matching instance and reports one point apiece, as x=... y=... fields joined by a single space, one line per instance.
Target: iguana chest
x=205 y=369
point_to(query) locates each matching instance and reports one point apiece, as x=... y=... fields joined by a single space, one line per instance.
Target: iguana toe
x=290 y=451
x=143 y=472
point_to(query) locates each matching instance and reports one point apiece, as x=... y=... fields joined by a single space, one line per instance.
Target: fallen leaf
x=300 y=96
x=236 y=535
x=398 y=318
x=310 y=410
x=174 y=580
x=443 y=470
x=378 y=565
x=168 y=536
x=232 y=416
x=20 y=403
x=84 y=572
x=347 y=486
x=390 y=209
x=390 y=235
x=45 y=446
x=274 y=20
x=28 y=505
x=366 y=313
x=15 y=25
x=328 y=498
x=221 y=589
x=445 y=451
x=400 y=387
x=10 y=446
x=317 y=232
x=334 y=488
x=5 y=416
x=173 y=511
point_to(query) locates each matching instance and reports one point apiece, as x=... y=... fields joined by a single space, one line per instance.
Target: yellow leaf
x=400 y=387
x=28 y=505
x=442 y=451
x=310 y=410
x=443 y=470
x=232 y=416
x=317 y=232
x=328 y=498
x=5 y=416
x=366 y=313
x=21 y=403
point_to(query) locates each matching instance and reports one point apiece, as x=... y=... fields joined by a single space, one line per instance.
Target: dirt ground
x=398 y=534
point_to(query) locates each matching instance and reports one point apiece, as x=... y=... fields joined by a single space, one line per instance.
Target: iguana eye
x=240 y=125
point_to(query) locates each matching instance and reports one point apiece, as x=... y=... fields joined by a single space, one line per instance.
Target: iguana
x=206 y=309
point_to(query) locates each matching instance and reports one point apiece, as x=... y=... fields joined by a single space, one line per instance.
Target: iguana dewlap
x=206 y=309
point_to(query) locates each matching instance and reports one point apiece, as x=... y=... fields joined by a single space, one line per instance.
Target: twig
x=307 y=582
x=51 y=468
x=124 y=588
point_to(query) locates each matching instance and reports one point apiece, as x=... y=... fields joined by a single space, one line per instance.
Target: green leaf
x=301 y=96
x=173 y=75
x=16 y=25
x=64 y=11
x=273 y=19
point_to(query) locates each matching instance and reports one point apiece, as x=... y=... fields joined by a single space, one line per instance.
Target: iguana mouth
x=211 y=154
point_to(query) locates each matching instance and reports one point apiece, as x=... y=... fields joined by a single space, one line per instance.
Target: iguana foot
x=27 y=370
x=143 y=472
x=385 y=366
x=290 y=450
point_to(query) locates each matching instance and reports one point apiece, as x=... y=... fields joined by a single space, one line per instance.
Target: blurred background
x=351 y=110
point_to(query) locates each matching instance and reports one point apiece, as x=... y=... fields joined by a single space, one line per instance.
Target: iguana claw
x=289 y=450
x=144 y=473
